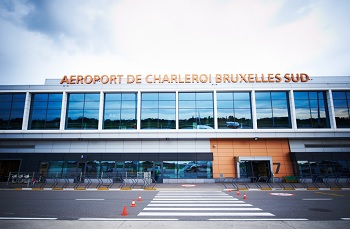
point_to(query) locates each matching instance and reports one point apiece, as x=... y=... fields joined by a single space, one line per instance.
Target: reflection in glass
x=45 y=112
x=311 y=109
x=341 y=101
x=196 y=110
x=11 y=112
x=234 y=110
x=82 y=111
x=272 y=109
x=158 y=111
x=120 y=111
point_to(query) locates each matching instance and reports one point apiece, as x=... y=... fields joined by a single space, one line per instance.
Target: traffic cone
x=125 y=212
x=230 y=190
x=133 y=204
x=238 y=193
x=244 y=196
x=139 y=199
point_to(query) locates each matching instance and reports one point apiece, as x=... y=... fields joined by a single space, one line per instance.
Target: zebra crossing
x=200 y=204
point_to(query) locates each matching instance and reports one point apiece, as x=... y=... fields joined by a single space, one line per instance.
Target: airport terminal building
x=178 y=127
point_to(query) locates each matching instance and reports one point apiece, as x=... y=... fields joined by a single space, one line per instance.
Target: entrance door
x=255 y=169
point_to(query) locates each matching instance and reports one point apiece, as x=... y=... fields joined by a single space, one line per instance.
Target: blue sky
x=43 y=39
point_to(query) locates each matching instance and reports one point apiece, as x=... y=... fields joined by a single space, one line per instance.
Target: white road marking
x=25 y=218
x=199 y=201
x=318 y=199
x=124 y=219
x=202 y=209
x=270 y=219
x=198 y=205
x=205 y=214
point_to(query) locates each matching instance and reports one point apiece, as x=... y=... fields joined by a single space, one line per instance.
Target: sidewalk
x=187 y=186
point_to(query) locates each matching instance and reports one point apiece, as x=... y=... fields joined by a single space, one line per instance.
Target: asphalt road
x=324 y=207
x=72 y=205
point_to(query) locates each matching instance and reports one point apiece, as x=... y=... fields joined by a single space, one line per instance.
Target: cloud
x=48 y=39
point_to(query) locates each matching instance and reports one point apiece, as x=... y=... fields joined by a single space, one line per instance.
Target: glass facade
x=196 y=110
x=311 y=109
x=12 y=110
x=120 y=110
x=45 y=112
x=324 y=168
x=234 y=110
x=341 y=102
x=272 y=109
x=161 y=110
x=158 y=110
x=82 y=111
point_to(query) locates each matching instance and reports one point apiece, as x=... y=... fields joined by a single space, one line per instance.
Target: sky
x=47 y=39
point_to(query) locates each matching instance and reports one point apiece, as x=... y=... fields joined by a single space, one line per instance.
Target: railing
x=319 y=182
x=77 y=180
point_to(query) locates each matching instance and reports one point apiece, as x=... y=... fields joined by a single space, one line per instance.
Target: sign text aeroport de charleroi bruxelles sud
x=186 y=78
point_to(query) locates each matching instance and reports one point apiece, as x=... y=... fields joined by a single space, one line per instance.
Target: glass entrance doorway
x=256 y=170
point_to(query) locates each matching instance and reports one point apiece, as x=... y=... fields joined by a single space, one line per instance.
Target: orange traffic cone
x=238 y=193
x=139 y=199
x=133 y=204
x=230 y=190
x=125 y=212
x=244 y=196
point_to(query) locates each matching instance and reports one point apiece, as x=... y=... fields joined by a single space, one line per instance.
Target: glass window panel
x=149 y=96
x=242 y=96
x=263 y=104
x=149 y=113
x=262 y=96
x=263 y=113
x=224 y=96
x=54 y=105
x=187 y=96
x=341 y=113
x=18 y=105
x=19 y=97
x=280 y=113
x=4 y=115
x=187 y=104
x=167 y=114
x=92 y=97
x=340 y=103
x=204 y=104
x=129 y=96
x=279 y=104
x=75 y=114
x=167 y=96
x=112 y=115
x=92 y=105
x=241 y=104
x=279 y=95
x=150 y=104
x=5 y=97
x=76 y=97
x=301 y=95
x=131 y=104
x=17 y=114
x=112 y=105
x=204 y=96
x=112 y=96
x=312 y=95
x=76 y=105
x=55 y=97
x=167 y=104
x=39 y=115
x=41 y=97
x=339 y=95
x=128 y=114
x=91 y=114
x=39 y=105
x=225 y=104
x=302 y=104
x=6 y=105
